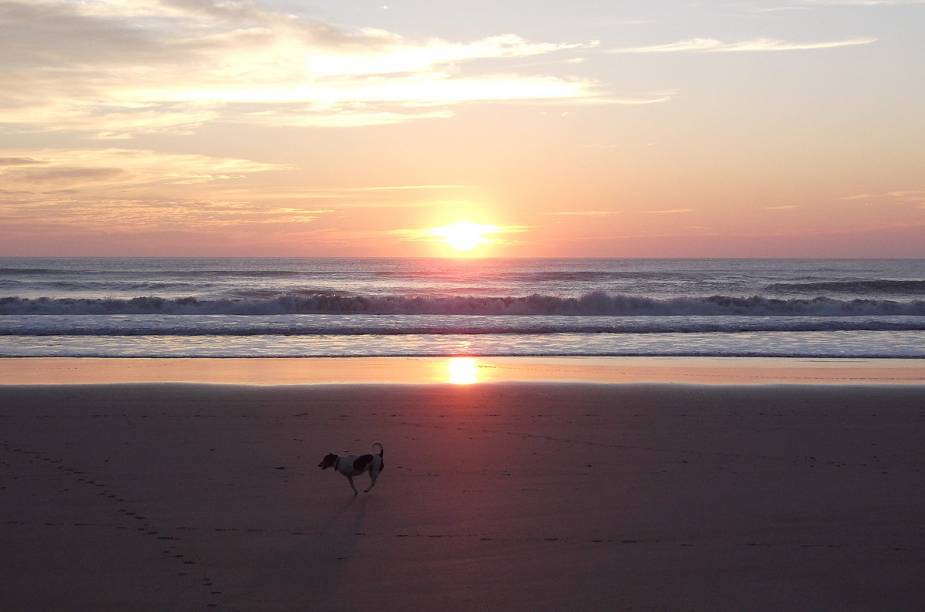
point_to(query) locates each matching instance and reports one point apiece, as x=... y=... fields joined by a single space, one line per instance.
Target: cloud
x=380 y=188
x=401 y=56
x=669 y=211
x=584 y=213
x=372 y=196
x=805 y=5
x=18 y=161
x=775 y=9
x=712 y=45
x=98 y=192
x=179 y=216
x=343 y=116
x=863 y=2
x=118 y=190
x=896 y=196
x=62 y=174
x=116 y=68
x=121 y=169
x=781 y=207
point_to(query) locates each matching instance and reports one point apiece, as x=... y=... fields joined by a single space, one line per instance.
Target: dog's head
x=329 y=460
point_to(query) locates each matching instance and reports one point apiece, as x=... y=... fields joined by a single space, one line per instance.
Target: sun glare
x=462 y=371
x=465 y=236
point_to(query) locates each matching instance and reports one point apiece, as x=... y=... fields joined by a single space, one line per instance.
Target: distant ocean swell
x=879 y=286
x=590 y=304
x=84 y=285
x=131 y=272
x=208 y=326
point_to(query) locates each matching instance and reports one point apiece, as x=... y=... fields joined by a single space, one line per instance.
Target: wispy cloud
x=584 y=213
x=180 y=216
x=122 y=169
x=402 y=188
x=712 y=45
x=805 y=5
x=782 y=207
x=897 y=196
x=116 y=68
x=118 y=190
x=862 y=2
x=18 y=161
x=669 y=211
x=775 y=9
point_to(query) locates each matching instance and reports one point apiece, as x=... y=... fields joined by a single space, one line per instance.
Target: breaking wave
x=591 y=304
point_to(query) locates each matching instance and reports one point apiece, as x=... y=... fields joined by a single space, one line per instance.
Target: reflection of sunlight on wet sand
x=462 y=371
x=458 y=370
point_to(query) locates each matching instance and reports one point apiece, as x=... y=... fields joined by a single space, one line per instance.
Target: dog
x=354 y=465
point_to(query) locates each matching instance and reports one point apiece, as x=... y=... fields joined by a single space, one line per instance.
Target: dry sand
x=502 y=497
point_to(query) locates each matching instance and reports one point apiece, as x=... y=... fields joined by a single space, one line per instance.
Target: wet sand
x=501 y=496
x=461 y=370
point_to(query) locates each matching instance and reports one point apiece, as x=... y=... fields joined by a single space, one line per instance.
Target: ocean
x=221 y=307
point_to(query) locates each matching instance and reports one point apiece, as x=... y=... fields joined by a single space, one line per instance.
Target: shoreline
x=463 y=370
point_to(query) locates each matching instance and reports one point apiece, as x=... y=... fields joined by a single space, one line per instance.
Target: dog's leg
x=373 y=475
x=350 y=480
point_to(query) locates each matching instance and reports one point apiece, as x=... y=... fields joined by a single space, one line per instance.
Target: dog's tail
x=379 y=444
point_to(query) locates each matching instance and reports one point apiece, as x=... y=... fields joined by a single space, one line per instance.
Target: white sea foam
x=396 y=325
x=590 y=304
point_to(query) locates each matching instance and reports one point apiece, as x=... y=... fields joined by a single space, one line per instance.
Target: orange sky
x=647 y=129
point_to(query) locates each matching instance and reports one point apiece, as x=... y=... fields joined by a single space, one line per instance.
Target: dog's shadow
x=335 y=524
x=336 y=546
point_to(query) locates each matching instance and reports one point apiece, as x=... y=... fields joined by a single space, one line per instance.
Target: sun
x=462 y=371
x=465 y=236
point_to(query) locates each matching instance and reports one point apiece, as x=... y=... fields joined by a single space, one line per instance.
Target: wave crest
x=591 y=304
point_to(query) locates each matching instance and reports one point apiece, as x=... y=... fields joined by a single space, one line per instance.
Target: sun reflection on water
x=462 y=371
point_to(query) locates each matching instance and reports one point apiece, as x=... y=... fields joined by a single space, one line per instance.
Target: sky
x=657 y=128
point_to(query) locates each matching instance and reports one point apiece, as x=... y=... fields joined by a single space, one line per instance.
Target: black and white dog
x=354 y=465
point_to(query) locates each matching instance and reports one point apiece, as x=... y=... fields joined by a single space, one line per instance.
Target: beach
x=590 y=306
x=719 y=495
